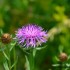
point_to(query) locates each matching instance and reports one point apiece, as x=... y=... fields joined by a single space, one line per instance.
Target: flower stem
x=32 y=59
x=14 y=52
x=61 y=66
x=9 y=61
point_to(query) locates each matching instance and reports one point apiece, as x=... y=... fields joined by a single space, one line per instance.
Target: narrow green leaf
x=66 y=68
x=12 y=46
x=68 y=57
x=60 y=48
x=5 y=55
x=56 y=58
x=14 y=63
x=27 y=63
x=6 y=65
x=40 y=48
x=25 y=51
x=1 y=31
x=2 y=47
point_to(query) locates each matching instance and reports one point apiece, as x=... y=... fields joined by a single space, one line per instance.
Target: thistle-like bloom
x=31 y=35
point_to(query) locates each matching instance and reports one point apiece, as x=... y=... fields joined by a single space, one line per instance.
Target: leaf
x=60 y=48
x=14 y=63
x=27 y=63
x=1 y=31
x=24 y=50
x=12 y=46
x=68 y=57
x=6 y=65
x=56 y=58
x=5 y=55
x=40 y=48
x=66 y=68
x=2 y=47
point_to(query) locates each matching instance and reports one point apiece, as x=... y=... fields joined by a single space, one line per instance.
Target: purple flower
x=31 y=35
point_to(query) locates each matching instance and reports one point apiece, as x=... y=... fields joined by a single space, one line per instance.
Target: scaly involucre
x=31 y=35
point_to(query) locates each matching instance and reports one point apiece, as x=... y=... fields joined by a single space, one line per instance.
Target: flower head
x=31 y=35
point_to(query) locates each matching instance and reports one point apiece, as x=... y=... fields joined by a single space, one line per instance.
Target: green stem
x=9 y=61
x=32 y=59
x=61 y=66
x=14 y=52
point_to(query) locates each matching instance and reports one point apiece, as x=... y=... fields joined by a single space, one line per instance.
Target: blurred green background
x=52 y=15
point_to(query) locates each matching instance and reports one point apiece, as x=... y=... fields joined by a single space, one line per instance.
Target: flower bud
x=6 y=38
x=63 y=57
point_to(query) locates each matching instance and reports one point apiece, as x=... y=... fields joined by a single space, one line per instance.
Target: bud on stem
x=63 y=57
x=6 y=38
